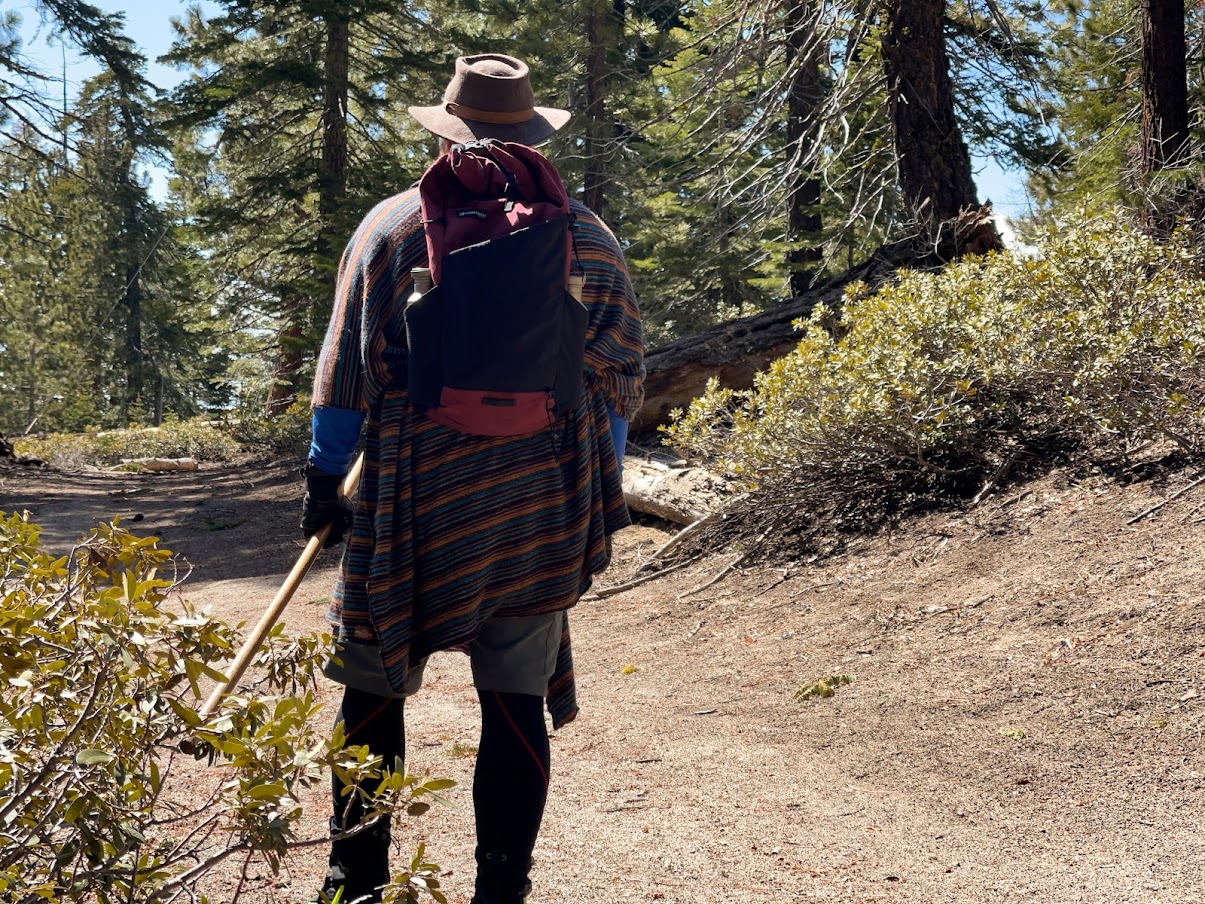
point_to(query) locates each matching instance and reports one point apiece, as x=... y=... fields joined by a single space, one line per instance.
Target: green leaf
x=266 y=791
x=93 y=757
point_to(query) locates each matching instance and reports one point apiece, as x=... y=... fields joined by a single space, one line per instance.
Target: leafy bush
x=196 y=438
x=822 y=688
x=287 y=433
x=942 y=384
x=205 y=440
x=101 y=689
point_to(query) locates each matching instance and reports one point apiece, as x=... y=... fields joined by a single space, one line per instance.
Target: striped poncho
x=451 y=529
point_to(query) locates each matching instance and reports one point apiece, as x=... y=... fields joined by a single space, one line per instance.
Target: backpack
x=496 y=344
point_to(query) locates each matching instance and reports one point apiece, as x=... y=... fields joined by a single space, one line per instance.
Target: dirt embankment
x=1025 y=718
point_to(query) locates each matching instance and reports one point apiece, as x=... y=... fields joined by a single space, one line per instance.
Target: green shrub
x=822 y=688
x=205 y=440
x=196 y=438
x=102 y=689
x=943 y=383
x=287 y=433
x=62 y=450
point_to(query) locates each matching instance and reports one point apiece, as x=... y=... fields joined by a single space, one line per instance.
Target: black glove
x=323 y=505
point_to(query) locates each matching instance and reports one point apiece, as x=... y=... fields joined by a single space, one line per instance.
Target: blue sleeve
x=336 y=432
x=619 y=436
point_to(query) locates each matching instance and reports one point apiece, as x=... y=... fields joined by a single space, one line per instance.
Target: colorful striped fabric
x=451 y=529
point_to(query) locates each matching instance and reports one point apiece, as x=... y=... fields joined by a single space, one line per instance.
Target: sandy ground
x=1024 y=723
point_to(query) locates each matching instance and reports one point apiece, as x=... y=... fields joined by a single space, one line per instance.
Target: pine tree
x=132 y=252
x=24 y=102
x=700 y=238
x=101 y=322
x=291 y=128
x=805 y=99
x=767 y=103
x=933 y=159
x=996 y=53
x=29 y=304
x=1091 y=66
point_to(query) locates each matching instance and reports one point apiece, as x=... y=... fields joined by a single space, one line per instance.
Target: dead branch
x=677 y=539
x=1172 y=498
x=724 y=572
x=603 y=592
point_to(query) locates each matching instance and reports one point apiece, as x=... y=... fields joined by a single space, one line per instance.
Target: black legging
x=510 y=785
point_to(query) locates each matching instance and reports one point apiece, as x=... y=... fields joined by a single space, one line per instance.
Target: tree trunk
x=31 y=411
x=283 y=390
x=1165 y=126
x=803 y=104
x=159 y=401
x=304 y=322
x=1164 y=85
x=680 y=495
x=332 y=181
x=731 y=270
x=132 y=298
x=596 y=131
x=133 y=306
x=731 y=352
x=934 y=163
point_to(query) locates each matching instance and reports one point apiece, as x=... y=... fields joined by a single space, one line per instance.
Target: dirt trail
x=1025 y=720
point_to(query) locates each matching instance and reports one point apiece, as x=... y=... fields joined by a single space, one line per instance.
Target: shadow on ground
x=225 y=522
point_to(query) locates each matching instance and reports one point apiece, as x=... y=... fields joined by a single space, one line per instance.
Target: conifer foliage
x=743 y=152
x=291 y=128
x=169 y=254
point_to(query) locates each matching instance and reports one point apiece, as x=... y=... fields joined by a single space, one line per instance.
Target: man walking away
x=466 y=534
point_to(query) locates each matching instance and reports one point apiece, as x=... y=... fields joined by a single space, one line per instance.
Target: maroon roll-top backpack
x=496 y=345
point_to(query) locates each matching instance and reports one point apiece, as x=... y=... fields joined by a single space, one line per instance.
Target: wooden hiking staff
x=272 y=614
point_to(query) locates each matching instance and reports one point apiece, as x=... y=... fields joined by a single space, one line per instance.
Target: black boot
x=359 y=865
x=501 y=879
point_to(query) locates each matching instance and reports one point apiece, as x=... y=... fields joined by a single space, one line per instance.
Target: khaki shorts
x=509 y=655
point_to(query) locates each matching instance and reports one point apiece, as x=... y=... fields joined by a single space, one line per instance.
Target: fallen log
x=732 y=351
x=736 y=350
x=680 y=495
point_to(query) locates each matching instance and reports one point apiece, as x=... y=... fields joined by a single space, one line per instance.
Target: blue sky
x=1004 y=188
x=148 y=23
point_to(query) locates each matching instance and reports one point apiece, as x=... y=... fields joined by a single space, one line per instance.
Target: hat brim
x=439 y=121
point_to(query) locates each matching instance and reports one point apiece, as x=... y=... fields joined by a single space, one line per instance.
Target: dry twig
x=1005 y=467
x=942 y=610
x=644 y=579
x=676 y=540
x=1172 y=498
x=724 y=572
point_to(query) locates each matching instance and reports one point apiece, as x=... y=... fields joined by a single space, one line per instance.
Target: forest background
x=169 y=237
x=170 y=230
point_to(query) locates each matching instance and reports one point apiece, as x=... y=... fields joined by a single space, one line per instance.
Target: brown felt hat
x=490 y=97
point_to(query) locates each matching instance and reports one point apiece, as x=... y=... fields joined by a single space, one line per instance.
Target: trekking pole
x=272 y=614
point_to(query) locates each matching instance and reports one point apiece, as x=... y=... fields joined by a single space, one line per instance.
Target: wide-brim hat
x=490 y=96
